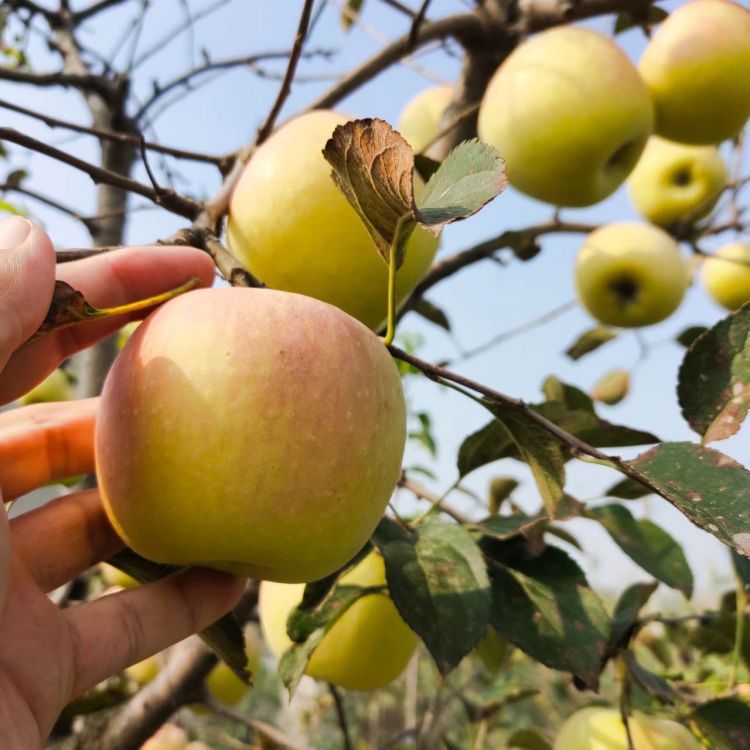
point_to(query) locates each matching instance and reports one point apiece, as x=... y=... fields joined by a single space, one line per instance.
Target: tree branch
x=94 y=9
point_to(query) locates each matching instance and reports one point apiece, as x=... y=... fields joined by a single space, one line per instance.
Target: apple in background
x=294 y=229
x=250 y=430
x=630 y=274
x=697 y=68
x=169 y=737
x=492 y=650
x=726 y=275
x=112 y=576
x=570 y=115
x=145 y=671
x=55 y=387
x=367 y=648
x=598 y=728
x=223 y=684
x=674 y=181
x=420 y=121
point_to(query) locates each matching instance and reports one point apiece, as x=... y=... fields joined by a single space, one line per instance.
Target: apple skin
x=250 y=430
x=696 y=68
x=55 y=387
x=728 y=280
x=675 y=181
x=112 y=576
x=570 y=115
x=145 y=671
x=598 y=728
x=169 y=737
x=366 y=649
x=630 y=274
x=294 y=229
x=420 y=121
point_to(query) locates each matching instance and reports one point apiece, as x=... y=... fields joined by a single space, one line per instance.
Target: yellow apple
x=250 y=430
x=124 y=334
x=612 y=388
x=570 y=115
x=697 y=70
x=726 y=275
x=112 y=576
x=598 y=728
x=368 y=647
x=169 y=737
x=55 y=387
x=223 y=684
x=420 y=121
x=630 y=274
x=145 y=671
x=674 y=181
x=294 y=229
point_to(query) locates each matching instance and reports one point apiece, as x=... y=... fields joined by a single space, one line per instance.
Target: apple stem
x=390 y=330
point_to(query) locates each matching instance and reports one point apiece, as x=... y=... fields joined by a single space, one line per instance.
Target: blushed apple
x=726 y=275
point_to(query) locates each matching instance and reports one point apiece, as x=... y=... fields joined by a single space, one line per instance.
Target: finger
x=143 y=621
x=27 y=277
x=43 y=442
x=60 y=540
x=106 y=280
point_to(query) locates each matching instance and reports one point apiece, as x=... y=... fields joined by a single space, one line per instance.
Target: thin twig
x=418 y=20
x=341 y=716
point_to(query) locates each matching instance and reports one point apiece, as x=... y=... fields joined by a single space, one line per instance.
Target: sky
x=481 y=301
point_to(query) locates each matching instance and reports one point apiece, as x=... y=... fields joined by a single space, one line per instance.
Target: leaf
x=590 y=341
x=469 y=178
x=545 y=606
x=612 y=387
x=528 y=739
x=15 y=178
x=714 y=378
x=631 y=19
x=501 y=488
x=686 y=337
x=425 y=166
x=574 y=398
x=432 y=313
x=652 y=683
x=710 y=488
x=294 y=661
x=373 y=167
x=628 y=489
x=506 y=527
x=647 y=544
x=725 y=723
x=438 y=582
x=316 y=592
x=69 y=307
x=627 y=611
x=350 y=13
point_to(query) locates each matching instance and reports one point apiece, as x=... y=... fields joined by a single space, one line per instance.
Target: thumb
x=27 y=281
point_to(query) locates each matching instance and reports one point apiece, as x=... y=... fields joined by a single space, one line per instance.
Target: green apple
x=674 y=181
x=169 y=737
x=598 y=728
x=697 y=70
x=367 y=648
x=55 y=387
x=630 y=274
x=112 y=576
x=420 y=121
x=250 y=430
x=570 y=115
x=726 y=275
x=294 y=229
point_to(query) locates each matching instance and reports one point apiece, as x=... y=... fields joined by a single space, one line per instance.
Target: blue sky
x=481 y=301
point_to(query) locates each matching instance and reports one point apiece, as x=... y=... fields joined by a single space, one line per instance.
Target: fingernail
x=13 y=232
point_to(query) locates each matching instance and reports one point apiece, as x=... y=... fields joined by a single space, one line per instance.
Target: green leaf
x=714 y=379
x=574 y=398
x=628 y=489
x=528 y=739
x=652 y=683
x=350 y=13
x=689 y=335
x=710 y=488
x=545 y=606
x=506 y=527
x=469 y=178
x=432 y=313
x=627 y=611
x=294 y=660
x=724 y=723
x=438 y=582
x=589 y=341
x=501 y=488
x=646 y=544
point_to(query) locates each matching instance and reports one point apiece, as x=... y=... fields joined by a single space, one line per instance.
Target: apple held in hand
x=697 y=68
x=250 y=430
x=673 y=181
x=365 y=649
x=599 y=728
x=294 y=229
x=570 y=115
x=629 y=274
x=726 y=275
x=420 y=121
x=55 y=387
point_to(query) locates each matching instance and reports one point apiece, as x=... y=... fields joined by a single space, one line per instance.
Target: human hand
x=47 y=655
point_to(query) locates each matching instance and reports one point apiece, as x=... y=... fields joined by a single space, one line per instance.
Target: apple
x=597 y=728
x=612 y=388
x=570 y=115
x=145 y=671
x=294 y=229
x=726 y=275
x=169 y=737
x=367 y=648
x=630 y=274
x=492 y=650
x=112 y=576
x=223 y=684
x=420 y=121
x=696 y=68
x=674 y=181
x=250 y=430
x=55 y=387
